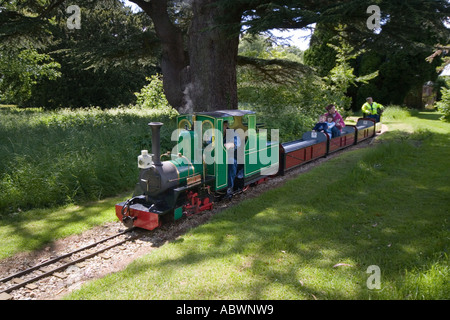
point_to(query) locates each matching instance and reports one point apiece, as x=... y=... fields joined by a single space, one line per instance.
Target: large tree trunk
x=204 y=77
x=213 y=51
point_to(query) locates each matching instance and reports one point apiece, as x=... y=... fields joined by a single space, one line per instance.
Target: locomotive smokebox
x=156 y=142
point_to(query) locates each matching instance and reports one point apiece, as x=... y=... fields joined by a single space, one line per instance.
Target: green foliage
x=291 y=104
x=292 y=108
x=320 y=55
x=50 y=158
x=397 y=52
x=265 y=47
x=152 y=95
x=21 y=70
x=102 y=64
x=444 y=51
x=444 y=105
x=78 y=88
x=23 y=62
x=404 y=73
x=342 y=76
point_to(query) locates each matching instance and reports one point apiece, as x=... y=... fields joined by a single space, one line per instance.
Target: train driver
x=232 y=142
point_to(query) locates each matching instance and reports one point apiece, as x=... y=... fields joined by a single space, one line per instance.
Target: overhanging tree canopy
x=199 y=38
x=199 y=62
x=101 y=64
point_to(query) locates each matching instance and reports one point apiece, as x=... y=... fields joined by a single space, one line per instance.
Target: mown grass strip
x=34 y=229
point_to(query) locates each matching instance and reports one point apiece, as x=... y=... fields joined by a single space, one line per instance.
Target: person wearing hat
x=337 y=118
x=372 y=109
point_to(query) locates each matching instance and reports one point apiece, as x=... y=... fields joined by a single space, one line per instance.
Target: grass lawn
x=55 y=158
x=316 y=237
x=32 y=230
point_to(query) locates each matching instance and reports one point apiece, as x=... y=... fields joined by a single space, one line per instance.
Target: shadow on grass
x=38 y=228
x=369 y=207
x=427 y=115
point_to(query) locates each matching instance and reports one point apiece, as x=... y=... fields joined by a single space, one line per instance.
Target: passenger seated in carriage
x=330 y=124
x=321 y=126
x=337 y=118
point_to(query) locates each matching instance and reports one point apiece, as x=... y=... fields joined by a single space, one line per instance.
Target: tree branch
x=286 y=64
x=50 y=8
x=440 y=50
x=157 y=10
x=277 y=70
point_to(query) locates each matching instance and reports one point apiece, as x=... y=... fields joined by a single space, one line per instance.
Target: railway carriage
x=315 y=145
x=346 y=139
x=312 y=146
x=365 y=129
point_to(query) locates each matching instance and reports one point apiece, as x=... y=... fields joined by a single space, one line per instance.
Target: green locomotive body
x=197 y=174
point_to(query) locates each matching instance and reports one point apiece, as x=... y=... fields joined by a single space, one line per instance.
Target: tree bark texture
x=213 y=51
x=199 y=74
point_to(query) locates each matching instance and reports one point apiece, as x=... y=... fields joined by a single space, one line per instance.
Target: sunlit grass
x=32 y=230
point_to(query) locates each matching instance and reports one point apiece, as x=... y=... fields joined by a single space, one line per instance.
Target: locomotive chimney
x=156 y=142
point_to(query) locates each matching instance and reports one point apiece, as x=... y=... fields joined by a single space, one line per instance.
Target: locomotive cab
x=256 y=155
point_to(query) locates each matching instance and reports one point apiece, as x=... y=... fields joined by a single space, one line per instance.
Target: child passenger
x=331 y=124
x=321 y=126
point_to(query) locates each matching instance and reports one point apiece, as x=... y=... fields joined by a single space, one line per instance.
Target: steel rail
x=46 y=263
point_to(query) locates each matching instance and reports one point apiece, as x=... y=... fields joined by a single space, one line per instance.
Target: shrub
x=292 y=108
x=444 y=105
x=152 y=95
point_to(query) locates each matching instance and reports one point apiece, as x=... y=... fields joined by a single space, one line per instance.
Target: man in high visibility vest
x=372 y=109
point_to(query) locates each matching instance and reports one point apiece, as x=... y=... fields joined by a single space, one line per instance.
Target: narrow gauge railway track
x=50 y=271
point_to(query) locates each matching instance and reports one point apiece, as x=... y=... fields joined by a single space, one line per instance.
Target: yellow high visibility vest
x=371 y=109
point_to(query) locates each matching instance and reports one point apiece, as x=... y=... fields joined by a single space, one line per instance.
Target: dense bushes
x=79 y=88
x=293 y=109
x=444 y=105
x=52 y=158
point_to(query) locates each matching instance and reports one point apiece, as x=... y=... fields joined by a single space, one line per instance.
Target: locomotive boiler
x=161 y=186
